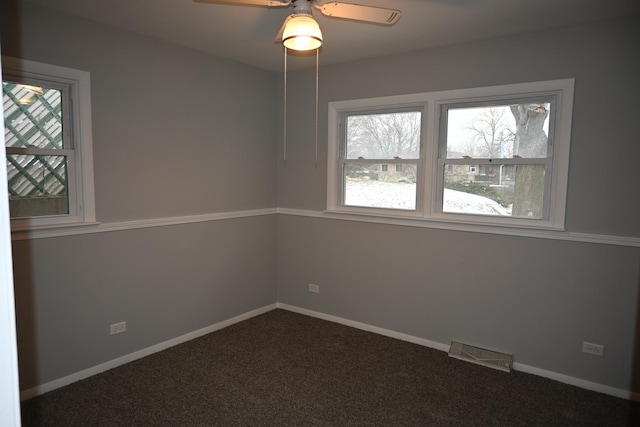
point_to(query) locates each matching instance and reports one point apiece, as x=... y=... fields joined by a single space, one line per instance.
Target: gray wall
x=178 y=132
x=175 y=132
x=601 y=57
x=538 y=298
x=164 y=282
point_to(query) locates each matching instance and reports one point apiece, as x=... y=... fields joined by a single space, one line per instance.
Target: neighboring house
x=387 y=172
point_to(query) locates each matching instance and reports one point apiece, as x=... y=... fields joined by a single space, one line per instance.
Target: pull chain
x=285 y=107
x=317 y=66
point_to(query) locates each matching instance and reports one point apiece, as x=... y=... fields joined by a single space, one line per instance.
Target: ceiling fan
x=300 y=31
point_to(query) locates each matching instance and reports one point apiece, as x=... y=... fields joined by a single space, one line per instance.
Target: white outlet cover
x=590 y=348
x=118 y=328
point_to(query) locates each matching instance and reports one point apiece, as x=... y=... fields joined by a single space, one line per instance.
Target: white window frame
x=80 y=184
x=429 y=185
x=398 y=108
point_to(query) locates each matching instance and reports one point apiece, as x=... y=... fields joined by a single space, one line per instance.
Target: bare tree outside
x=384 y=136
x=382 y=153
x=530 y=141
x=518 y=131
x=383 y=150
x=492 y=135
x=530 y=136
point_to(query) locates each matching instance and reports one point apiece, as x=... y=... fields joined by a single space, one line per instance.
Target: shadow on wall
x=21 y=250
x=25 y=312
x=635 y=381
x=11 y=43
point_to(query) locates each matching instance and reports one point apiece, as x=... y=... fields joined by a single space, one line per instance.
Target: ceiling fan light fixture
x=302 y=32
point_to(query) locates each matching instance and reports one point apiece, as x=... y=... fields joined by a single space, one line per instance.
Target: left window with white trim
x=47 y=115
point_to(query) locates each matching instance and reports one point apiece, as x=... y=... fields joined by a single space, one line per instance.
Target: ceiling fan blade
x=266 y=3
x=358 y=12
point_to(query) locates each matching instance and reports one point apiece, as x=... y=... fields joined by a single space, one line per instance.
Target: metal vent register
x=481 y=356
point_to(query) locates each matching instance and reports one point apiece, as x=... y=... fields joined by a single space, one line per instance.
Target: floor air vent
x=481 y=356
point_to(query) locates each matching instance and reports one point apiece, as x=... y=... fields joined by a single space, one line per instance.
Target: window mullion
x=519 y=161
x=39 y=151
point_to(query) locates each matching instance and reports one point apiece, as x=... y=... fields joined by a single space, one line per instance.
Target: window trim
x=81 y=197
x=417 y=161
x=427 y=186
x=401 y=104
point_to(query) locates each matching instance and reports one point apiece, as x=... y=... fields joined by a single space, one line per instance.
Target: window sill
x=447 y=221
x=552 y=234
x=50 y=230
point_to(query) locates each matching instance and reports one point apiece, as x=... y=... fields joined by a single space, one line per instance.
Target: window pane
x=37 y=185
x=32 y=115
x=383 y=136
x=368 y=185
x=502 y=131
x=499 y=190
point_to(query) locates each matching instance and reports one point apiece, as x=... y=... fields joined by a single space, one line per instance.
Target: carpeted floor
x=286 y=369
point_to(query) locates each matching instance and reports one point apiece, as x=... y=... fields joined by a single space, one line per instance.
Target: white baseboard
x=365 y=327
x=61 y=382
x=578 y=382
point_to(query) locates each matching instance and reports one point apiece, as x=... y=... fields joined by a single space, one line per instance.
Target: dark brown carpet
x=286 y=369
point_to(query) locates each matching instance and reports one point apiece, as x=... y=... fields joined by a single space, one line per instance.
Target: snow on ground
x=458 y=201
x=380 y=194
x=402 y=196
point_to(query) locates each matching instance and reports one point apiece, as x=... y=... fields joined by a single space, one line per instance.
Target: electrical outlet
x=314 y=288
x=118 y=328
x=595 y=349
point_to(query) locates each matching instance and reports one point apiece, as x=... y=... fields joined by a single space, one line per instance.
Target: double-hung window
x=47 y=127
x=492 y=156
x=371 y=141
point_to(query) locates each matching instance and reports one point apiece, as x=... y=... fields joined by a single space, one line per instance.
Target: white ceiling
x=246 y=33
